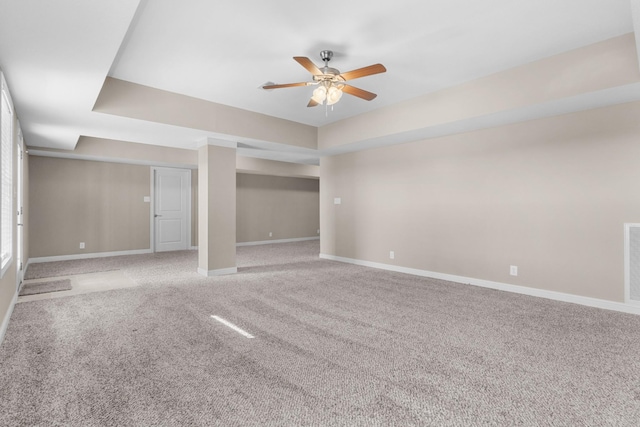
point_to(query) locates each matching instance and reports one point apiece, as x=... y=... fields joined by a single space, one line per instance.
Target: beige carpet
x=334 y=344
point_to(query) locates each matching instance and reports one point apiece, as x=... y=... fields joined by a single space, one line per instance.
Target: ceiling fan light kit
x=331 y=83
x=331 y=95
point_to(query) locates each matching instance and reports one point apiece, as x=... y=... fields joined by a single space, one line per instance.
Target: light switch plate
x=337 y=201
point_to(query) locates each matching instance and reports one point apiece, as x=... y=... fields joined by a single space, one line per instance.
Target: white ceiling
x=56 y=55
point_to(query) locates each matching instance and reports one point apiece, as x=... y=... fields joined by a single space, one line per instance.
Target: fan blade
x=285 y=85
x=312 y=103
x=360 y=93
x=306 y=63
x=365 y=71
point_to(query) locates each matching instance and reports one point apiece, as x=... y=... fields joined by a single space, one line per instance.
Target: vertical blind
x=6 y=172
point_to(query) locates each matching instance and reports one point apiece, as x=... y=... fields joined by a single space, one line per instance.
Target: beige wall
x=99 y=203
x=67 y=208
x=549 y=196
x=216 y=210
x=287 y=207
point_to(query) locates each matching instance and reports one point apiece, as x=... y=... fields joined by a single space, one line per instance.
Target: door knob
x=156 y=216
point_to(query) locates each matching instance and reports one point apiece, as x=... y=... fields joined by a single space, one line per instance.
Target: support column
x=217 y=207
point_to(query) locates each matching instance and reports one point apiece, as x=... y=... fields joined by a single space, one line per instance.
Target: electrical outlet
x=337 y=201
x=270 y=234
x=392 y=255
x=513 y=270
x=318 y=231
x=81 y=245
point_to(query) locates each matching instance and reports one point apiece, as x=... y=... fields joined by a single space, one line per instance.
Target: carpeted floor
x=335 y=344
x=45 y=287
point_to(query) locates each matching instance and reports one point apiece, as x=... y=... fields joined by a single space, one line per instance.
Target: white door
x=172 y=213
x=20 y=220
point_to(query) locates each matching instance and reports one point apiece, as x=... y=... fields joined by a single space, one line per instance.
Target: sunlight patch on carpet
x=232 y=326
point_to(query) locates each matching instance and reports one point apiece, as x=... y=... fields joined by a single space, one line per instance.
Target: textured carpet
x=45 y=287
x=42 y=270
x=335 y=344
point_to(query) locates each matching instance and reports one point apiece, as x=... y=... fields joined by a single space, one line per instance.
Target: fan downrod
x=326 y=56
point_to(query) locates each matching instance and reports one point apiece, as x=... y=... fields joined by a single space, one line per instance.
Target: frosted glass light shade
x=320 y=94
x=333 y=95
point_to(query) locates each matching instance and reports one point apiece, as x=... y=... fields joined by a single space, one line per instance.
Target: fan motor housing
x=326 y=55
x=329 y=71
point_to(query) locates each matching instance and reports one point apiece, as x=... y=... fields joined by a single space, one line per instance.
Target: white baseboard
x=87 y=256
x=218 y=272
x=7 y=316
x=268 y=242
x=557 y=296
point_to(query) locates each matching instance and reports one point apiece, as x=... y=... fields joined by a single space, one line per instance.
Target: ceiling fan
x=331 y=83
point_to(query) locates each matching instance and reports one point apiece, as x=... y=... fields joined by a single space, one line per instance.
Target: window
x=6 y=173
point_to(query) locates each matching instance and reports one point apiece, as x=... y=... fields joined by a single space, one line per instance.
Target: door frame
x=19 y=229
x=152 y=207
